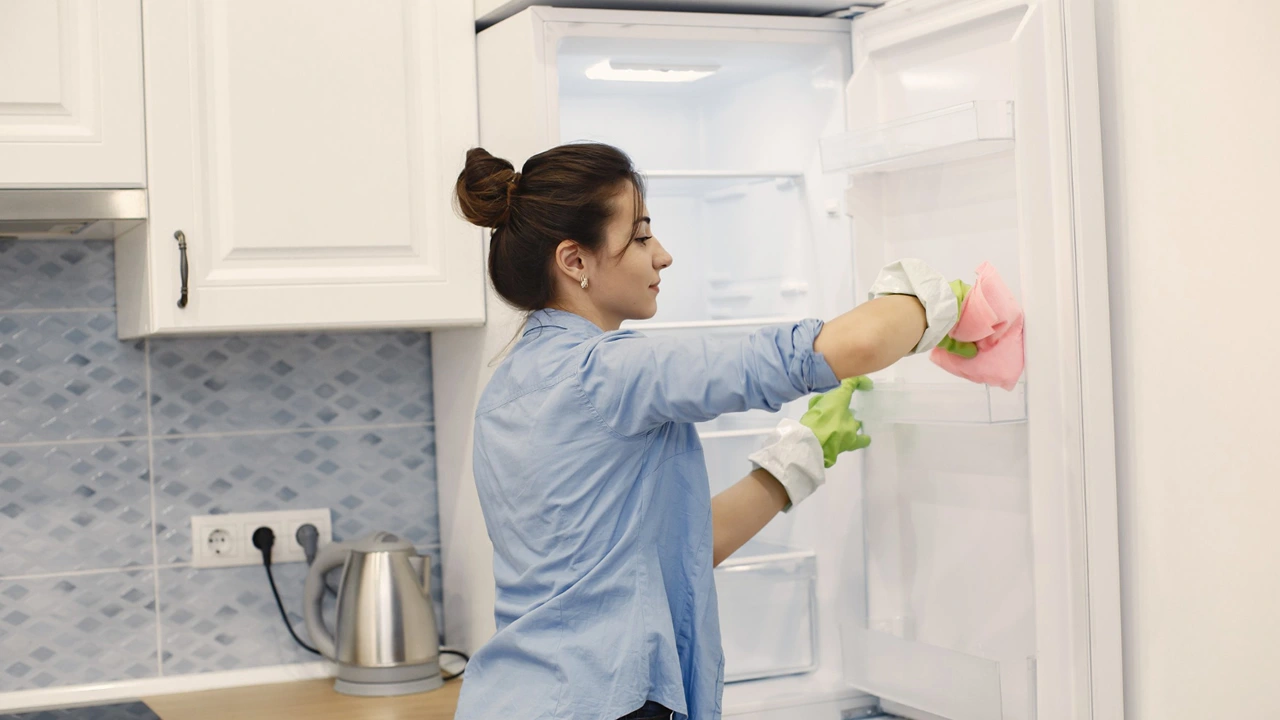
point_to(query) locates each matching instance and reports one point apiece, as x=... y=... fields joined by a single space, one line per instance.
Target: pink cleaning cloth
x=991 y=319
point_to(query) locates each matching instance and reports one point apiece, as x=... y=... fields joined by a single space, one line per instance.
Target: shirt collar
x=551 y=317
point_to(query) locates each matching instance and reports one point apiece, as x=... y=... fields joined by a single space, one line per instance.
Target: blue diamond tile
x=388 y=485
x=85 y=629
x=60 y=390
x=226 y=618
x=75 y=507
x=289 y=381
x=56 y=274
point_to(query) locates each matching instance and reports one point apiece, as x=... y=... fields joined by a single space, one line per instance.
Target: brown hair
x=561 y=194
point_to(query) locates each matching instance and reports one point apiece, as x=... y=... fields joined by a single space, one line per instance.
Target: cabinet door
x=71 y=93
x=306 y=150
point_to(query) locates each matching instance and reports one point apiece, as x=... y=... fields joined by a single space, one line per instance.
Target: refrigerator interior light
x=649 y=72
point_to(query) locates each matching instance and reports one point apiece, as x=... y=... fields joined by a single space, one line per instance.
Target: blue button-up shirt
x=595 y=493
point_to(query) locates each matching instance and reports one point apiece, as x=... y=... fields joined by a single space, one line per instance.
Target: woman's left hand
x=832 y=420
x=798 y=452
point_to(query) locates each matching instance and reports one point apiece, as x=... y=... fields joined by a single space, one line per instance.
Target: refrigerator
x=964 y=566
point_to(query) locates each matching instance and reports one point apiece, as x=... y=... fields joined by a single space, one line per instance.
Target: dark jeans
x=650 y=711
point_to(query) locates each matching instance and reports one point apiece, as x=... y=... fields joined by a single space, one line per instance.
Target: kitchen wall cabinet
x=71 y=94
x=304 y=153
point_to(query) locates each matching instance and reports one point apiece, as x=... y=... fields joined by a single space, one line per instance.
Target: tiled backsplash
x=107 y=448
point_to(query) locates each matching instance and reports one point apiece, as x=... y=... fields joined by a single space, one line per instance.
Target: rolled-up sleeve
x=635 y=383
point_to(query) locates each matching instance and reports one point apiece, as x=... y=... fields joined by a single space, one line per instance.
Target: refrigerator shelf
x=768 y=611
x=770 y=174
x=728 y=434
x=758 y=555
x=952 y=402
x=753 y=322
x=718 y=185
x=970 y=130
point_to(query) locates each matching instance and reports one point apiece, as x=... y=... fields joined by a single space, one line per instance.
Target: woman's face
x=623 y=282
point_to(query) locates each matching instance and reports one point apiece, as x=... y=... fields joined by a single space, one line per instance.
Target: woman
x=589 y=470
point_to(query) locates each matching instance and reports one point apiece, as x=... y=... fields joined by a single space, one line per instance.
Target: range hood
x=70 y=214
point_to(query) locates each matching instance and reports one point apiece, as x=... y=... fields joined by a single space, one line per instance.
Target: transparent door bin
x=956 y=133
x=895 y=401
x=936 y=680
x=768 y=611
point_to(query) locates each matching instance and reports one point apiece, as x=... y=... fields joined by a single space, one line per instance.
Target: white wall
x=1191 y=121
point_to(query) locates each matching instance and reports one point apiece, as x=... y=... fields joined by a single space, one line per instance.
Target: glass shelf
x=768 y=611
x=716 y=185
x=766 y=174
x=746 y=325
x=956 y=133
x=958 y=402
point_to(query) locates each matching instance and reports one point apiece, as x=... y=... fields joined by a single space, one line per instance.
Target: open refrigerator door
x=958 y=152
x=787 y=160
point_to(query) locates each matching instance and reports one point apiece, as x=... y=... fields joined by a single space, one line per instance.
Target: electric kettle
x=386 y=637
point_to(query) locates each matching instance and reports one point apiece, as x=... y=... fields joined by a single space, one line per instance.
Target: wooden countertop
x=311 y=699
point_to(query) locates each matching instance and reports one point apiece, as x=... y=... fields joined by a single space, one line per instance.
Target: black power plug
x=309 y=538
x=264 y=539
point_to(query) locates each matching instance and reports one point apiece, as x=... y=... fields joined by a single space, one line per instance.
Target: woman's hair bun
x=485 y=188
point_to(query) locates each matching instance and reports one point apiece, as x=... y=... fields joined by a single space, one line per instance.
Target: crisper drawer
x=768 y=611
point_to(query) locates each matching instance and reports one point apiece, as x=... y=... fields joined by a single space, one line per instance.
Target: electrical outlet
x=227 y=540
x=219 y=543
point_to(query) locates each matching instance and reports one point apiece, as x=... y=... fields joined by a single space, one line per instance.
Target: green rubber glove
x=831 y=419
x=950 y=344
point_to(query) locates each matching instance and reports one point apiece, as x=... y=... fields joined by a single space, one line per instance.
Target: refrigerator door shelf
x=970 y=130
x=944 y=682
x=896 y=401
x=768 y=611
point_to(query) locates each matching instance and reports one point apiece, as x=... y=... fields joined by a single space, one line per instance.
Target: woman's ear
x=569 y=260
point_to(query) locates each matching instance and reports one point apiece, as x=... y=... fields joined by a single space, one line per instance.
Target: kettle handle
x=330 y=556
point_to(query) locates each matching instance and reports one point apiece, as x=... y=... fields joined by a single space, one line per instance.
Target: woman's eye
x=644 y=238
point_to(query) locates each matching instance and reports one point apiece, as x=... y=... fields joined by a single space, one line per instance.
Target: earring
x=584 y=282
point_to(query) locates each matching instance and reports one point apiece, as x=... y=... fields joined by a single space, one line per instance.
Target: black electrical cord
x=308 y=537
x=264 y=539
x=465 y=659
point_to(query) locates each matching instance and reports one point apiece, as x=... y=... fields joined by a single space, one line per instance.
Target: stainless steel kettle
x=387 y=642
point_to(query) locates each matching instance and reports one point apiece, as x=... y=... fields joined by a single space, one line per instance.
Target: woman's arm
x=741 y=511
x=872 y=336
x=635 y=383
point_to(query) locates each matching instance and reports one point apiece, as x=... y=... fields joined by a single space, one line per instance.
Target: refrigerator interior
x=780 y=186
x=737 y=195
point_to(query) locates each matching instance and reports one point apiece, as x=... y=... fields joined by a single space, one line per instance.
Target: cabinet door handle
x=182 y=266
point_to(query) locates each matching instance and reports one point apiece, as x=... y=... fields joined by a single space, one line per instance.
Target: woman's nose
x=662 y=258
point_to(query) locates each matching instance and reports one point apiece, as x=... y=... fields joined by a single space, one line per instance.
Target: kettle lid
x=381 y=541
